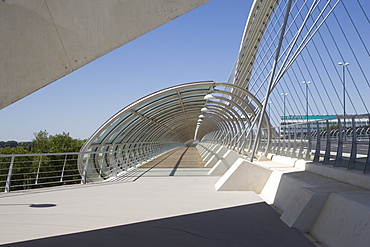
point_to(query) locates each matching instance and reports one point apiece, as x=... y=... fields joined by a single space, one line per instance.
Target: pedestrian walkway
x=150 y=211
x=184 y=161
x=185 y=157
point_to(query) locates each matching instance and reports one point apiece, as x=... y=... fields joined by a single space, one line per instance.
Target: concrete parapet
x=303 y=198
x=223 y=164
x=335 y=213
x=353 y=177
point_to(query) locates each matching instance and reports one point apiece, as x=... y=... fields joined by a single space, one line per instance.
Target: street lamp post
x=306 y=83
x=344 y=64
x=269 y=108
x=284 y=95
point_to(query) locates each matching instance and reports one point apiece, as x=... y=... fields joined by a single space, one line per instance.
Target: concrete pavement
x=152 y=211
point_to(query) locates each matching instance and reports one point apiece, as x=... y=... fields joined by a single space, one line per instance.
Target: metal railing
x=341 y=142
x=99 y=166
x=31 y=171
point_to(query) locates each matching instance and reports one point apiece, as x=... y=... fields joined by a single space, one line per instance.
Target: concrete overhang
x=44 y=40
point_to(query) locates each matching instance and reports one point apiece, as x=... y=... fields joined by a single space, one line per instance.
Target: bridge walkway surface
x=184 y=161
x=166 y=210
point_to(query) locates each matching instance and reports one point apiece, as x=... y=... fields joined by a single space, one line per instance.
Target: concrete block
x=270 y=155
x=269 y=191
x=304 y=208
x=300 y=164
x=201 y=148
x=344 y=220
x=216 y=155
x=223 y=164
x=209 y=151
x=243 y=175
x=291 y=186
x=284 y=160
x=263 y=158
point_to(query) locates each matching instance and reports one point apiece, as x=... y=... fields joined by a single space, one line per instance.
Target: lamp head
x=209 y=96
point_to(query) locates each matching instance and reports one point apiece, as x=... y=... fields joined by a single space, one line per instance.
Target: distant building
x=300 y=120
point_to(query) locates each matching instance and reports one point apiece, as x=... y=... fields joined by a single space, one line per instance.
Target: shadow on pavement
x=248 y=225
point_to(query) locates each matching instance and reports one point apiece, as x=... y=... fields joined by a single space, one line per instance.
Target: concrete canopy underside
x=42 y=41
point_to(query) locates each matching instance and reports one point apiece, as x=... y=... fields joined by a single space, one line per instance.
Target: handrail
x=320 y=144
x=312 y=140
x=29 y=171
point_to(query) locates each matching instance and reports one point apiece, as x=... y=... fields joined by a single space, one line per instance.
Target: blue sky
x=200 y=45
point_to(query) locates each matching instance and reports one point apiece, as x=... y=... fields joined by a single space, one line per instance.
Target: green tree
x=23 y=167
x=63 y=143
x=41 y=171
x=59 y=143
x=40 y=143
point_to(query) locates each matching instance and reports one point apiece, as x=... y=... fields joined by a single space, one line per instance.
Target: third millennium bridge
x=198 y=164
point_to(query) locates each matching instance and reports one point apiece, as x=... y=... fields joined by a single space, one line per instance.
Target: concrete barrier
x=224 y=163
x=302 y=211
x=215 y=156
x=208 y=151
x=334 y=212
x=243 y=175
x=344 y=220
x=353 y=177
x=204 y=148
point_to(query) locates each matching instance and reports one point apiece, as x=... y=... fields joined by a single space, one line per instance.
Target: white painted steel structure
x=168 y=119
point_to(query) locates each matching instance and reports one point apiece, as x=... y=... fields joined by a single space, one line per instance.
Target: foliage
x=59 y=143
x=40 y=171
x=14 y=144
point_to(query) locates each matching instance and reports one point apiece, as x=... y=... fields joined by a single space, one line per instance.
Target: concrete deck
x=152 y=211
